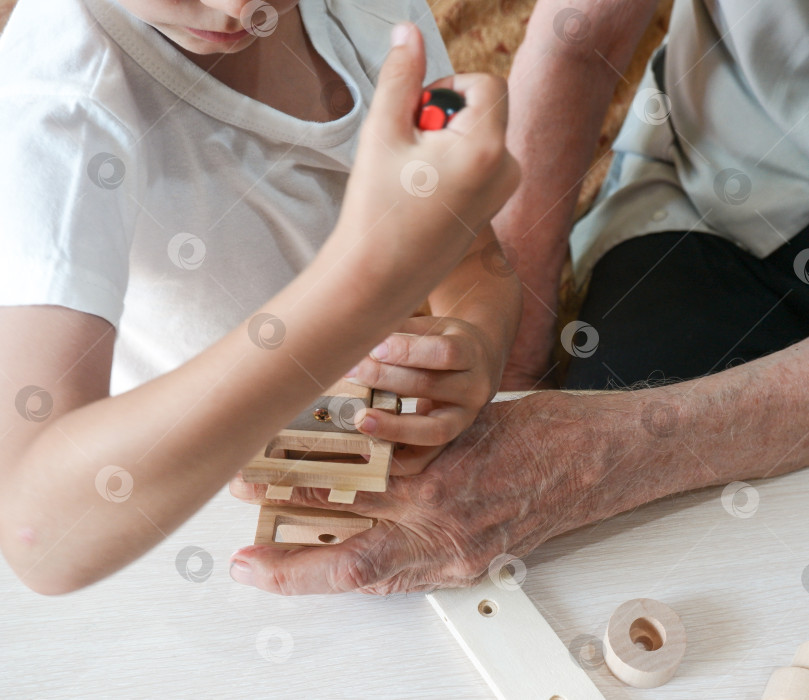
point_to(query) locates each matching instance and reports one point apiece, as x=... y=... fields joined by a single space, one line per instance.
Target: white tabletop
x=150 y=632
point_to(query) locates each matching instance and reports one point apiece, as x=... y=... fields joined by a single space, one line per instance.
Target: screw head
x=322 y=415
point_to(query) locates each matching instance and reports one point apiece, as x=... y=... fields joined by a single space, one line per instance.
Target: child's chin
x=201 y=47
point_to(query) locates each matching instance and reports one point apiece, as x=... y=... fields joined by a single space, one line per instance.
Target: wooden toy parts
x=288 y=527
x=644 y=643
x=791 y=682
x=512 y=646
x=322 y=448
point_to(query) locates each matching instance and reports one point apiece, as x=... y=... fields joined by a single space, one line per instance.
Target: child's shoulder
x=51 y=43
x=64 y=59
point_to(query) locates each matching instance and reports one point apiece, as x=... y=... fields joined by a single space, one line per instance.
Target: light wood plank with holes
x=510 y=643
x=344 y=476
x=286 y=527
x=341 y=460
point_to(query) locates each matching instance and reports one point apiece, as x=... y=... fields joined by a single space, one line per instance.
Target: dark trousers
x=673 y=306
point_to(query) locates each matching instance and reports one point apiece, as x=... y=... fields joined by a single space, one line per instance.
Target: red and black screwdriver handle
x=438 y=107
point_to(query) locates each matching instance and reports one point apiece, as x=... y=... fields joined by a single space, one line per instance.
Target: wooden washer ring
x=644 y=643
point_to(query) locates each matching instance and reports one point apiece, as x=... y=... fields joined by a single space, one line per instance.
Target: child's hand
x=449 y=365
x=416 y=200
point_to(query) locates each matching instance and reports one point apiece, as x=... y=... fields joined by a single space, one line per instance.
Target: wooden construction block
x=386 y=401
x=790 y=682
x=338 y=496
x=512 y=646
x=342 y=476
x=332 y=454
x=279 y=493
x=644 y=643
x=334 y=411
x=343 y=386
x=286 y=527
x=310 y=441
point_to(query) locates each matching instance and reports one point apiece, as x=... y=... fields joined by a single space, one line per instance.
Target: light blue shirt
x=722 y=145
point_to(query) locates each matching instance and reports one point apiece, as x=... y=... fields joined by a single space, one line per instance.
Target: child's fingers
x=442 y=426
x=484 y=94
x=438 y=352
x=483 y=123
x=446 y=387
x=486 y=99
x=398 y=90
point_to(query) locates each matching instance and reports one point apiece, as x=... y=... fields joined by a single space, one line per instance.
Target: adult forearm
x=748 y=422
x=560 y=86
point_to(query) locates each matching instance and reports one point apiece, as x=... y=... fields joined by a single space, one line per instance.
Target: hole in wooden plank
x=292 y=529
x=487 y=608
x=647 y=633
x=341 y=457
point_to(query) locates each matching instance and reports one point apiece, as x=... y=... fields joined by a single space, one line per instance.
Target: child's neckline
x=297 y=88
x=161 y=60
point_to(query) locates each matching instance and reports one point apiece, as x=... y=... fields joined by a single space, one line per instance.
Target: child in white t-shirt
x=161 y=154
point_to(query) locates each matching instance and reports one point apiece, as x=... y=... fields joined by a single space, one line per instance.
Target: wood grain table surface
x=174 y=625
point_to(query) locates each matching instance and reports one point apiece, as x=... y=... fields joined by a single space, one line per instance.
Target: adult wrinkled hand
x=496 y=489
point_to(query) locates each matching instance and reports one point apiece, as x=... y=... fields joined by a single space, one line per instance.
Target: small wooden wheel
x=644 y=643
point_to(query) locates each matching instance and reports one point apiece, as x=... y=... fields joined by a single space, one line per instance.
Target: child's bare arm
x=90 y=487
x=105 y=478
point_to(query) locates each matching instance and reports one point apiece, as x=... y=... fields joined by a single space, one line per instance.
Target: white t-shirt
x=719 y=142
x=136 y=187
